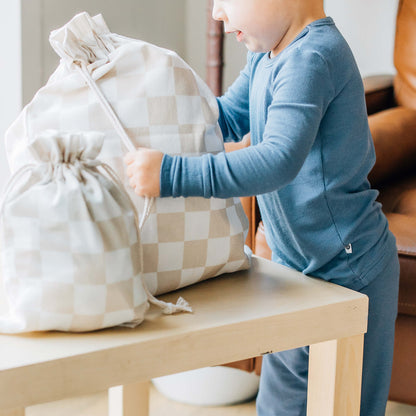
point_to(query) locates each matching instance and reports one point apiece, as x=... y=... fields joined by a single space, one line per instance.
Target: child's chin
x=254 y=46
x=256 y=49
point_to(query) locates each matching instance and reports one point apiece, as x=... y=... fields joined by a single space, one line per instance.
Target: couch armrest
x=379 y=93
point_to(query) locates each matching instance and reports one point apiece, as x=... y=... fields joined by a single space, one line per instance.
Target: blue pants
x=284 y=375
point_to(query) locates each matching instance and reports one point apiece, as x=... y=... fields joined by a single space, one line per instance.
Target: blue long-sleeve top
x=308 y=163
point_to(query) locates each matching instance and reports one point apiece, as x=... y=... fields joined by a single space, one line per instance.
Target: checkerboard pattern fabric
x=160 y=103
x=70 y=247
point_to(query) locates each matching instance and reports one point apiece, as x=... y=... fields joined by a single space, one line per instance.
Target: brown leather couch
x=391 y=104
x=393 y=126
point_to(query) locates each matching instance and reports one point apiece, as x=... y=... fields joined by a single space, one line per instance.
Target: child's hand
x=143 y=169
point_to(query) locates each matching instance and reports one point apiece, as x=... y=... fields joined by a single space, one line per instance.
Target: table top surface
x=266 y=291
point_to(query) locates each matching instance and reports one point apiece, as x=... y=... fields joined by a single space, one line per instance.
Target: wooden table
x=236 y=316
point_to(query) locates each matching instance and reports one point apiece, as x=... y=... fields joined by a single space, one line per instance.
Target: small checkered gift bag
x=138 y=94
x=71 y=253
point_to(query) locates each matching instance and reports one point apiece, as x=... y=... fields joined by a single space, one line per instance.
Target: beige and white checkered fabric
x=162 y=104
x=70 y=247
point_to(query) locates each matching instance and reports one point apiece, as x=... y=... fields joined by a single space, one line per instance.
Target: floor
x=96 y=405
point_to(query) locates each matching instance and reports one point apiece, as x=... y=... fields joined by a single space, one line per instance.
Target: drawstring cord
x=81 y=66
x=168 y=308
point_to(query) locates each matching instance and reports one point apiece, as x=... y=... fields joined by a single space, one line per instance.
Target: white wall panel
x=369 y=28
x=161 y=22
x=10 y=74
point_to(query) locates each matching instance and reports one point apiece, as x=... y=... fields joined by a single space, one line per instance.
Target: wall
x=369 y=28
x=10 y=73
x=158 y=21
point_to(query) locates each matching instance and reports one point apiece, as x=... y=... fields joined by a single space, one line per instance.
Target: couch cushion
x=394 y=136
x=398 y=199
x=261 y=248
x=404 y=229
x=399 y=204
x=403 y=381
x=405 y=54
x=407 y=292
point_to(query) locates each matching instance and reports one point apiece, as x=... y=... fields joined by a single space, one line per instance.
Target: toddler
x=301 y=97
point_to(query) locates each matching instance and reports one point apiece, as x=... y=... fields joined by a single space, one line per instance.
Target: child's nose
x=217 y=11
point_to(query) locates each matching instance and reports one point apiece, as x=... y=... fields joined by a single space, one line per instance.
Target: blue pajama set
x=308 y=164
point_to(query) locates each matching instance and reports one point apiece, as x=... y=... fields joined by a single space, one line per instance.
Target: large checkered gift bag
x=138 y=94
x=70 y=244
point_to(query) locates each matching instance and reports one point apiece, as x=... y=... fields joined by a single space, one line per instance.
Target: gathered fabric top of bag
x=84 y=39
x=55 y=153
x=68 y=148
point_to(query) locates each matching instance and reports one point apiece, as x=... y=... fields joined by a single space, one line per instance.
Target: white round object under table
x=210 y=386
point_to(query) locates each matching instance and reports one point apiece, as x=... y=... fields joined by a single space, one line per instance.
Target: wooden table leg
x=13 y=412
x=129 y=400
x=335 y=371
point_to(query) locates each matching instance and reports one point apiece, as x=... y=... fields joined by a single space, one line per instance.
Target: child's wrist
x=165 y=176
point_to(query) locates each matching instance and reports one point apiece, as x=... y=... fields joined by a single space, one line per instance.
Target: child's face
x=260 y=24
x=263 y=25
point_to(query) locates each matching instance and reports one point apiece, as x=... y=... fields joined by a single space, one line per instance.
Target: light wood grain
x=129 y=400
x=236 y=316
x=96 y=405
x=334 y=384
x=13 y=412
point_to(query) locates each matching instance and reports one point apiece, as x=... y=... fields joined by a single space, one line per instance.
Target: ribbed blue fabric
x=309 y=160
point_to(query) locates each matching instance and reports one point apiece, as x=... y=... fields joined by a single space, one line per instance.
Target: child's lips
x=239 y=34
